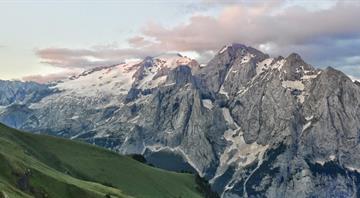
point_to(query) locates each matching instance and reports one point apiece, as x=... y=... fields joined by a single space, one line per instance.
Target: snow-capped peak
x=154 y=76
x=233 y=46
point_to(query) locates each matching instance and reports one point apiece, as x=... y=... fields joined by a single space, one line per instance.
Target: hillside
x=43 y=166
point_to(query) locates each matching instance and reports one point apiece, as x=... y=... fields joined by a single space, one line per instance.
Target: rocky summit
x=253 y=125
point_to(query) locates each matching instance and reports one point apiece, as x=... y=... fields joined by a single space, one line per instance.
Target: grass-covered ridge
x=43 y=166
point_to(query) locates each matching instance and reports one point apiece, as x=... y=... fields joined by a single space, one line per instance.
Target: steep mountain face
x=12 y=92
x=253 y=125
x=16 y=95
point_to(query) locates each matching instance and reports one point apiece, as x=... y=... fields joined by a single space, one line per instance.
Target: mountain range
x=251 y=124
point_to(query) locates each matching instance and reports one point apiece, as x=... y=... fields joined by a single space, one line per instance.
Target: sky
x=47 y=40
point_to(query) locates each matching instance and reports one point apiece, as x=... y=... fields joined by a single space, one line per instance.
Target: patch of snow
x=332 y=157
x=297 y=84
x=187 y=86
x=134 y=120
x=353 y=169
x=227 y=187
x=222 y=88
x=169 y=132
x=309 y=118
x=263 y=65
x=310 y=74
x=3 y=108
x=293 y=84
x=308 y=77
x=307 y=71
x=278 y=65
x=320 y=162
x=223 y=49
x=149 y=74
x=261 y=159
x=223 y=92
x=301 y=98
x=158 y=81
x=244 y=154
x=354 y=79
x=306 y=126
x=246 y=59
x=207 y=104
x=169 y=84
x=102 y=134
x=77 y=135
x=227 y=116
x=243 y=90
x=74 y=117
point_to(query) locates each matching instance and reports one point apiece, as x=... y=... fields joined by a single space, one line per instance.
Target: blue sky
x=41 y=40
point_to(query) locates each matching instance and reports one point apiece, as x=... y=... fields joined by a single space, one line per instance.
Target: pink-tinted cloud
x=257 y=25
x=89 y=58
x=271 y=26
x=138 y=41
x=49 y=77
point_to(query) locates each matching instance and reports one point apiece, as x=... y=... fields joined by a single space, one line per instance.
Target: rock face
x=12 y=92
x=253 y=125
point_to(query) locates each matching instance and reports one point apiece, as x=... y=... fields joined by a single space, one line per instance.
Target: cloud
x=324 y=35
x=256 y=25
x=49 y=77
x=248 y=3
x=89 y=58
x=138 y=41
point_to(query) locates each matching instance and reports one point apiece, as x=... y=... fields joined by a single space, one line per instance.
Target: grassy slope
x=61 y=168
